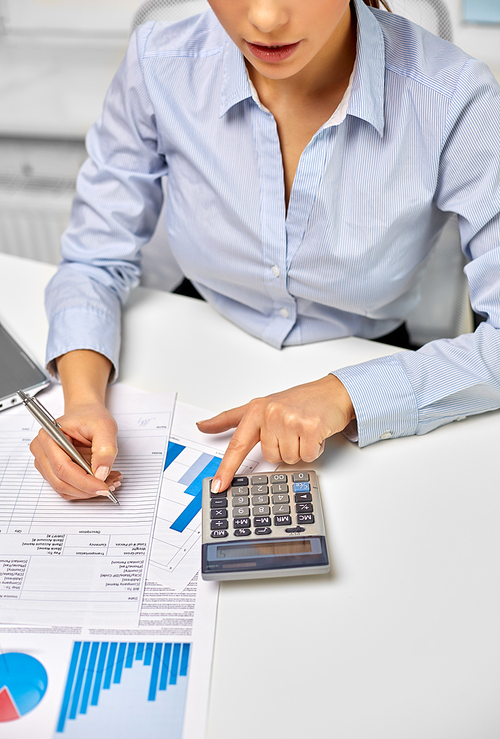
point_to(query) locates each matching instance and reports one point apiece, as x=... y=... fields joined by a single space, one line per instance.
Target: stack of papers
x=106 y=627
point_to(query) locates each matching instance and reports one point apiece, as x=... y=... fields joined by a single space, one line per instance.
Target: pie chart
x=23 y=682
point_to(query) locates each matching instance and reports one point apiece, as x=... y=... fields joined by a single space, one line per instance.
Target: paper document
x=64 y=562
x=148 y=682
x=191 y=456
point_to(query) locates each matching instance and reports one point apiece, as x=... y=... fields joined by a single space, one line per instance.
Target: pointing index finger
x=246 y=436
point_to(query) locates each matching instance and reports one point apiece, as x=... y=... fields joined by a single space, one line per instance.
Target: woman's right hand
x=92 y=430
x=89 y=426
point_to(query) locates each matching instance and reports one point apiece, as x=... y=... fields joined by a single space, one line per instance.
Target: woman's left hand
x=291 y=425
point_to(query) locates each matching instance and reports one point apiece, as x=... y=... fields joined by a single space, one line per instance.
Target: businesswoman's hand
x=88 y=424
x=291 y=425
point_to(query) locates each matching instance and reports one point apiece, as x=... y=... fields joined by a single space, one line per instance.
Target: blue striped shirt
x=373 y=188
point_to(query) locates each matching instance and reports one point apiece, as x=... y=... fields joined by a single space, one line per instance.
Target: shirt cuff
x=383 y=398
x=83 y=328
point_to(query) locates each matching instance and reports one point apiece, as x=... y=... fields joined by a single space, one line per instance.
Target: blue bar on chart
x=125 y=688
x=205 y=465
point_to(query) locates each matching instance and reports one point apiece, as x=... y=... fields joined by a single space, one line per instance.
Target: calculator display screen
x=267 y=548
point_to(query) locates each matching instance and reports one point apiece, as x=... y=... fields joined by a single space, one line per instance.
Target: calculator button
x=241 y=523
x=262 y=521
x=220 y=534
x=295 y=530
x=278 y=477
x=242 y=480
x=305 y=518
x=282 y=508
x=259 y=480
x=304 y=508
x=240 y=490
x=259 y=490
x=220 y=494
x=301 y=487
x=241 y=500
x=218 y=513
x=241 y=511
x=262 y=531
x=282 y=520
x=281 y=498
x=281 y=488
x=261 y=510
x=242 y=532
x=303 y=497
x=300 y=476
x=220 y=523
x=260 y=500
x=218 y=503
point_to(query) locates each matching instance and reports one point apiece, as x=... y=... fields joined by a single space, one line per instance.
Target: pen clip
x=43 y=410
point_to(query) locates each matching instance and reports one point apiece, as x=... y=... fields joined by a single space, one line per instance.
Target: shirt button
x=386 y=435
x=284 y=312
x=275 y=270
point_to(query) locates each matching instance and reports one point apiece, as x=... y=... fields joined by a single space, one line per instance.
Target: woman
x=314 y=152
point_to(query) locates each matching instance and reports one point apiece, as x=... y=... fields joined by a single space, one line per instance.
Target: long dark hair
x=377 y=4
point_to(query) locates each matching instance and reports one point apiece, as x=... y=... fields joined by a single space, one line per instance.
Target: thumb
x=104 y=450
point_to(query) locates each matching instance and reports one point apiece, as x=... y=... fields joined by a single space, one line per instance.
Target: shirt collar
x=366 y=100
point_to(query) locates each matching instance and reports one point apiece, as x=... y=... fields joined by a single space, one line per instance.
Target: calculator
x=266 y=525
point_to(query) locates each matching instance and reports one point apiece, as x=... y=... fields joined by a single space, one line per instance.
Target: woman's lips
x=272 y=53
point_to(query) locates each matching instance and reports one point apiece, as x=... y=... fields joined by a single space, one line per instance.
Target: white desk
x=402 y=640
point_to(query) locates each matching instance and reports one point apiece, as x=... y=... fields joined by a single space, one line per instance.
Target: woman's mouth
x=273 y=53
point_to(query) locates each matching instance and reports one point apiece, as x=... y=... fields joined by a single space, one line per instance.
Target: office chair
x=444 y=309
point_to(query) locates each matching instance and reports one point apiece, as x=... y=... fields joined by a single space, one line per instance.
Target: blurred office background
x=57 y=58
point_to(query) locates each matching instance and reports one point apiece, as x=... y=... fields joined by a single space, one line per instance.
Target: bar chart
x=125 y=689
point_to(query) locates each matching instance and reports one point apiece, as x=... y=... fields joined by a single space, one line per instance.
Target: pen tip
x=112 y=497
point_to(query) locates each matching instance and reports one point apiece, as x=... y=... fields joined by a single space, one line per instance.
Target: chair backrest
x=167 y=10
x=433 y=15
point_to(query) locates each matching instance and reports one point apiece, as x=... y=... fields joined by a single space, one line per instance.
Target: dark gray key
x=304 y=508
x=303 y=497
x=242 y=532
x=218 y=513
x=262 y=521
x=282 y=508
x=305 y=518
x=221 y=523
x=218 y=503
x=237 y=481
x=282 y=520
x=219 y=534
x=263 y=531
x=241 y=523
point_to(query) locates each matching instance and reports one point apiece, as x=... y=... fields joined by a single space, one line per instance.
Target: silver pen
x=53 y=428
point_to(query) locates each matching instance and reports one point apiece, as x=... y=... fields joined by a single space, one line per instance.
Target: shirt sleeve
x=446 y=380
x=115 y=211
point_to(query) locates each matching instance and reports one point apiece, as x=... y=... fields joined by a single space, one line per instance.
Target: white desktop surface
x=402 y=639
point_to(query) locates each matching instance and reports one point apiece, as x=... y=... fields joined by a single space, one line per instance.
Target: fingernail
x=102 y=492
x=215 y=485
x=101 y=473
x=117 y=484
x=111 y=488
